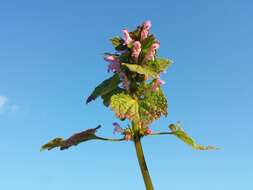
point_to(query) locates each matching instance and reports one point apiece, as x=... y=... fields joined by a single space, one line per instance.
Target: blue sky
x=51 y=59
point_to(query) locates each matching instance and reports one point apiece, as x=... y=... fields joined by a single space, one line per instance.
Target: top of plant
x=134 y=91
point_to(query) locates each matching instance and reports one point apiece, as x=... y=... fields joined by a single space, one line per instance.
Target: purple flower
x=126 y=37
x=156 y=83
x=114 y=65
x=124 y=79
x=136 y=50
x=117 y=128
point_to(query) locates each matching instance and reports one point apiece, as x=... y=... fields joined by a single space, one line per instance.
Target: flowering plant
x=133 y=92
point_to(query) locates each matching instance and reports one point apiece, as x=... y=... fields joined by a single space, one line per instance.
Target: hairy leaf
x=141 y=70
x=107 y=97
x=181 y=134
x=159 y=65
x=105 y=87
x=125 y=106
x=152 y=105
x=74 y=140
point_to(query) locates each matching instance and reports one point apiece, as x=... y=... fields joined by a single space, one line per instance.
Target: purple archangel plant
x=133 y=92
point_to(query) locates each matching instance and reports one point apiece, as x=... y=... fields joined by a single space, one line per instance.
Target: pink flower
x=144 y=34
x=145 y=29
x=148 y=131
x=117 y=128
x=128 y=137
x=147 y=25
x=114 y=65
x=156 y=83
x=110 y=58
x=151 y=52
x=127 y=37
x=136 y=50
x=124 y=80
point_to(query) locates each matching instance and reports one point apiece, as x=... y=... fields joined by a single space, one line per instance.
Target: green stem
x=142 y=163
x=161 y=133
x=109 y=139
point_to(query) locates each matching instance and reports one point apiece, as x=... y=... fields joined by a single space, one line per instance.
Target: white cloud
x=3 y=101
x=6 y=107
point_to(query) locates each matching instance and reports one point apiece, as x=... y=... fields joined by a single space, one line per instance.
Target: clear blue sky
x=51 y=59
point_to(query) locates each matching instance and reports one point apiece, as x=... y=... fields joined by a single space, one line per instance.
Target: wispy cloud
x=6 y=107
x=3 y=101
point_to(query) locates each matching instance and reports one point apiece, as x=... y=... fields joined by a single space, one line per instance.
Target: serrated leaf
x=141 y=70
x=182 y=135
x=159 y=65
x=152 y=105
x=107 y=97
x=105 y=87
x=125 y=106
x=74 y=140
x=116 y=41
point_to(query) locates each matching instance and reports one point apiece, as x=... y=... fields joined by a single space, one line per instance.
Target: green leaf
x=147 y=42
x=57 y=142
x=105 y=87
x=121 y=47
x=116 y=41
x=152 y=105
x=74 y=140
x=151 y=68
x=125 y=106
x=141 y=70
x=107 y=97
x=135 y=35
x=181 y=134
x=159 y=65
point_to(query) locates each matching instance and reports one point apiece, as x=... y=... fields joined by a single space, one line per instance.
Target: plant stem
x=109 y=139
x=161 y=133
x=142 y=163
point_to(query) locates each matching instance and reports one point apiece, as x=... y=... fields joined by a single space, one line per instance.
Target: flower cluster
x=134 y=91
x=136 y=47
x=128 y=133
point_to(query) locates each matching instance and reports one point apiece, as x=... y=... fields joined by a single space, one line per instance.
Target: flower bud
x=127 y=37
x=156 y=83
x=151 y=52
x=136 y=50
x=128 y=137
x=148 y=131
x=147 y=25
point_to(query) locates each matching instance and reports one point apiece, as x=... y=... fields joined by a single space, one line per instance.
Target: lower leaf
x=182 y=135
x=75 y=139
